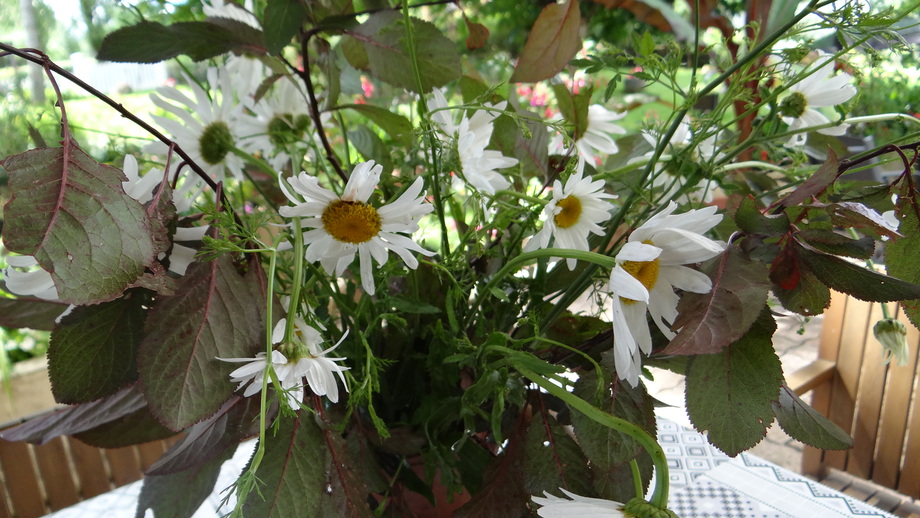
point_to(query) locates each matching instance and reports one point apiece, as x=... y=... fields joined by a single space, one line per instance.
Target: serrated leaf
x=860 y=282
x=751 y=220
x=30 y=312
x=646 y=45
x=281 y=20
x=71 y=213
x=833 y=243
x=850 y=214
x=370 y=146
x=235 y=421
x=137 y=427
x=710 y=321
x=217 y=313
x=77 y=418
x=179 y=495
x=553 y=41
x=816 y=184
x=553 y=458
x=92 y=352
x=805 y=424
x=384 y=38
x=902 y=255
x=152 y=42
x=809 y=296
x=730 y=394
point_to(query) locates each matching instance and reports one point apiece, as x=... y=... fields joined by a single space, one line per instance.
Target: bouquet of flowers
x=344 y=240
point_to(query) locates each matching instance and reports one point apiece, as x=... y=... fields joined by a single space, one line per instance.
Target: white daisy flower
x=207 y=128
x=649 y=267
x=576 y=506
x=596 y=140
x=279 y=121
x=479 y=165
x=819 y=90
x=23 y=276
x=577 y=209
x=705 y=152
x=222 y=9
x=344 y=225
x=304 y=360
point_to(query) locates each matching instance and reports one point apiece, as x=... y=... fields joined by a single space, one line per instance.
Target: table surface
x=705 y=483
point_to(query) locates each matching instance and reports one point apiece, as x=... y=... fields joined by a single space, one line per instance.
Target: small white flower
x=207 y=128
x=479 y=165
x=345 y=225
x=576 y=506
x=820 y=89
x=596 y=139
x=649 y=267
x=307 y=361
x=577 y=209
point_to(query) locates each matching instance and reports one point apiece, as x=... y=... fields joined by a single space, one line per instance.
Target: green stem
x=662 y=484
x=637 y=478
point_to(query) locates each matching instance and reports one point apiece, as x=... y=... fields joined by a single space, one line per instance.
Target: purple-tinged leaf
x=813 y=186
x=76 y=418
x=553 y=457
x=301 y=474
x=730 y=394
x=71 y=213
x=30 y=312
x=804 y=423
x=553 y=42
x=709 y=322
x=833 y=243
x=179 y=495
x=217 y=313
x=809 y=296
x=851 y=214
x=93 y=351
x=236 y=421
x=137 y=427
x=477 y=34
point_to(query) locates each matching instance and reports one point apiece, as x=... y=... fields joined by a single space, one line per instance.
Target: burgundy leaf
x=76 y=418
x=72 y=214
x=30 y=312
x=217 y=313
x=815 y=185
x=553 y=42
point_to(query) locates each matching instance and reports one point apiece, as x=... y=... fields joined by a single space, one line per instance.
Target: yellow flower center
x=571 y=211
x=645 y=271
x=351 y=221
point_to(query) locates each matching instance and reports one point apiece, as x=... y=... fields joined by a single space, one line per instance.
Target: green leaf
x=858 y=281
x=751 y=220
x=413 y=306
x=902 y=255
x=71 y=213
x=850 y=214
x=833 y=243
x=384 y=38
x=217 y=313
x=809 y=296
x=354 y=53
x=730 y=394
x=30 y=312
x=397 y=127
x=179 y=495
x=646 y=44
x=553 y=41
x=574 y=108
x=804 y=423
x=370 y=146
x=152 y=42
x=710 y=321
x=532 y=153
x=281 y=20
x=93 y=351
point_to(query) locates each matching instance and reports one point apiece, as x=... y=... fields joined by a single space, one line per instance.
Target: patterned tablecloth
x=705 y=483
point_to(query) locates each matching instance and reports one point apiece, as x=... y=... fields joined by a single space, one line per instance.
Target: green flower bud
x=892 y=334
x=794 y=105
x=639 y=508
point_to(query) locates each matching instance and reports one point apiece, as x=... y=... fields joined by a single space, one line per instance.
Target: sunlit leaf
x=152 y=42
x=804 y=423
x=217 y=313
x=478 y=34
x=71 y=213
x=553 y=41
x=730 y=394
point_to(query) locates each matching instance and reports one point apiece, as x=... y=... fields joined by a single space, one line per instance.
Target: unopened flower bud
x=892 y=334
x=639 y=508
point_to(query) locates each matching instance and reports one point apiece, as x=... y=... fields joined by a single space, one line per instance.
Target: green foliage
x=152 y=42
